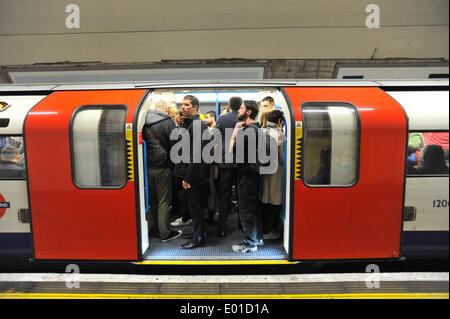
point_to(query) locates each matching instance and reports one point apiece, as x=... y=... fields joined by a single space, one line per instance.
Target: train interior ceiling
x=215 y=248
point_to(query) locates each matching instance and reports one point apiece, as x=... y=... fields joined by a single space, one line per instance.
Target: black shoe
x=193 y=244
x=187 y=235
x=172 y=235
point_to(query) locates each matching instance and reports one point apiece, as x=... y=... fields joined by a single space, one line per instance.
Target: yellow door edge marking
x=130 y=156
x=298 y=149
x=212 y=262
x=289 y=296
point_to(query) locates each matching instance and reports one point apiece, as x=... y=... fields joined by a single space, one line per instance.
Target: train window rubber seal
x=72 y=166
x=4 y=122
x=358 y=142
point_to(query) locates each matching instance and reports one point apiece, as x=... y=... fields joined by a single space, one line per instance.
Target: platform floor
x=320 y=286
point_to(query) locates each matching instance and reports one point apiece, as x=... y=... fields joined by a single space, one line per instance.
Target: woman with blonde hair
x=172 y=110
x=263 y=118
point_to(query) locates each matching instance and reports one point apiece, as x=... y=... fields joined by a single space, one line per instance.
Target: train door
x=274 y=249
x=349 y=173
x=82 y=194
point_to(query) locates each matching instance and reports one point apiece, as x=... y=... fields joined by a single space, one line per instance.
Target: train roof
x=385 y=84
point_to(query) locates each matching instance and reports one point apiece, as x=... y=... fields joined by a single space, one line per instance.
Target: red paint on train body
x=365 y=220
x=361 y=221
x=69 y=222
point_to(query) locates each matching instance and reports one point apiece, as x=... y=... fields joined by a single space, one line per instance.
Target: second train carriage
x=347 y=191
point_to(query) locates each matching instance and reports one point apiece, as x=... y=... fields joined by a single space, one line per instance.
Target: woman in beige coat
x=271 y=185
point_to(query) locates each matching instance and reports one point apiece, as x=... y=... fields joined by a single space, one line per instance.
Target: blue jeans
x=249 y=211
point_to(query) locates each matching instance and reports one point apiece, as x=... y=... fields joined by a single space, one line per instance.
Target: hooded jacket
x=156 y=133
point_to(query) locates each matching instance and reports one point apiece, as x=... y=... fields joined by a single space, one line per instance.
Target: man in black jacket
x=244 y=143
x=156 y=133
x=227 y=169
x=194 y=171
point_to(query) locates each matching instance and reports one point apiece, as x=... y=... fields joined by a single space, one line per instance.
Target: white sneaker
x=179 y=222
x=271 y=235
x=244 y=248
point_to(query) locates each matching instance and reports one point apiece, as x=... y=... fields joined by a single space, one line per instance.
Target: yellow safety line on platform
x=290 y=296
x=213 y=262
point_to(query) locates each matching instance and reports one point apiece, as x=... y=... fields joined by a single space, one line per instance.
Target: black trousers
x=227 y=178
x=197 y=202
x=249 y=210
x=270 y=218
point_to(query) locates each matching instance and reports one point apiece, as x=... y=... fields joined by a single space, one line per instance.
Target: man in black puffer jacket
x=156 y=133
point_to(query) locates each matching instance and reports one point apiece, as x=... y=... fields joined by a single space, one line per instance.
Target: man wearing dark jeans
x=245 y=141
x=227 y=169
x=194 y=171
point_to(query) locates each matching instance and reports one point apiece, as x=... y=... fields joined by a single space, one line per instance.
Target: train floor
x=215 y=248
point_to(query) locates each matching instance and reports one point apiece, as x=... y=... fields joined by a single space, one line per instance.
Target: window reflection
x=12 y=157
x=331 y=144
x=428 y=153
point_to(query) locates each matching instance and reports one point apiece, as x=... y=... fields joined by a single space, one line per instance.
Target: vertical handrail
x=283 y=209
x=144 y=144
x=217 y=105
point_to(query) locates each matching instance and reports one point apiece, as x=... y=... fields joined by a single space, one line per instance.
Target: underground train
x=354 y=186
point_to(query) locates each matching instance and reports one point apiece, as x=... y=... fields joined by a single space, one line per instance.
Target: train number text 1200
x=440 y=203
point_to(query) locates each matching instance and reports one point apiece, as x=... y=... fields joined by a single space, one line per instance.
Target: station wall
x=290 y=38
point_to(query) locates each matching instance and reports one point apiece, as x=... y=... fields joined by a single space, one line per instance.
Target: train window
x=4 y=122
x=331 y=144
x=99 y=146
x=428 y=153
x=12 y=157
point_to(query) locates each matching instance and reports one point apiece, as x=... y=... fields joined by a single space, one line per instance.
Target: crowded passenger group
x=193 y=192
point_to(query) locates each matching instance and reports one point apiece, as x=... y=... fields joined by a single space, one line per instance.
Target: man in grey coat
x=156 y=133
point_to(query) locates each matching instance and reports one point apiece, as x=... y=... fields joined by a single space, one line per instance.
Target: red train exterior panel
x=69 y=222
x=362 y=221
x=365 y=220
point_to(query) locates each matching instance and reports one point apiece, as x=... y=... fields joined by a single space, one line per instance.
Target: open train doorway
x=214 y=101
